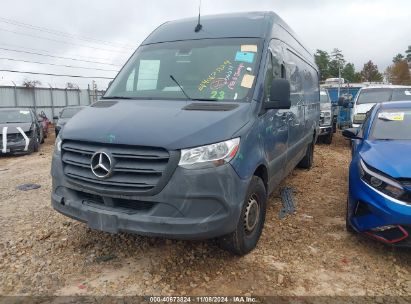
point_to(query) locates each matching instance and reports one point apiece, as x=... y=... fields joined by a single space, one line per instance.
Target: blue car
x=379 y=199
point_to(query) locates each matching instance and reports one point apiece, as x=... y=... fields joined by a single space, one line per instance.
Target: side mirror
x=351 y=133
x=280 y=96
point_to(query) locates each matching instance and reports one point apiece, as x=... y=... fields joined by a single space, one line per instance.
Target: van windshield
x=208 y=69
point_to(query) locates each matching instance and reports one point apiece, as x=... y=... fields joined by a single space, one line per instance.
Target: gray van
x=198 y=128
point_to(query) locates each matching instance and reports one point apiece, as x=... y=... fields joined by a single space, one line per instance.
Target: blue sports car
x=379 y=199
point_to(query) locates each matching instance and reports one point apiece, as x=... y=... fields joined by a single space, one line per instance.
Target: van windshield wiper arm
x=117 y=97
x=181 y=88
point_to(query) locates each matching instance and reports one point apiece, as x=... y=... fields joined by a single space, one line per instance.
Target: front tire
x=308 y=160
x=348 y=226
x=250 y=225
x=328 y=139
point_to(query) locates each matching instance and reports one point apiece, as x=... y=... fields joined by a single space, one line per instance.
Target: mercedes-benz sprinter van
x=197 y=129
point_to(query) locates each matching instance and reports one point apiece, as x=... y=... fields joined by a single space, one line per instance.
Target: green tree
x=398 y=58
x=408 y=54
x=370 y=72
x=337 y=61
x=322 y=59
x=348 y=72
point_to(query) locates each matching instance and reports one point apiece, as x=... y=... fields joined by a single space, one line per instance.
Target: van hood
x=390 y=157
x=363 y=108
x=12 y=127
x=156 y=123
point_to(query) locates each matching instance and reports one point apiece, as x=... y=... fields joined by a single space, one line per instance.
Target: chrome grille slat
x=135 y=169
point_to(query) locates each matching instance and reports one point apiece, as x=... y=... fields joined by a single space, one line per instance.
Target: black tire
x=34 y=145
x=250 y=225
x=308 y=160
x=41 y=136
x=348 y=226
x=328 y=139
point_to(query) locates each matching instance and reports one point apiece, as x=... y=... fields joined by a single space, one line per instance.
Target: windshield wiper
x=188 y=97
x=117 y=97
x=204 y=99
x=181 y=88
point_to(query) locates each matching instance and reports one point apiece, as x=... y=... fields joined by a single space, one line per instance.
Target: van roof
x=237 y=25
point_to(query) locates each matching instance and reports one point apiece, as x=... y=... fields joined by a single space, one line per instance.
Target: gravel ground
x=308 y=253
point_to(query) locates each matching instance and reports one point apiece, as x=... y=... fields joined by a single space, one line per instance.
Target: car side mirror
x=351 y=133
x=280 y=96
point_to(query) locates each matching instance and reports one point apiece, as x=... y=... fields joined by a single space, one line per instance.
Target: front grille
x=136 y=170
x=15 y=137
x=116 y=203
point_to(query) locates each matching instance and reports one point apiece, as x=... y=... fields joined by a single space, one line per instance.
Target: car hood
x=156 y=123
x=325 y=106
x=389 y=157
x=62 y=121
x=12 y=127
x=363 y=108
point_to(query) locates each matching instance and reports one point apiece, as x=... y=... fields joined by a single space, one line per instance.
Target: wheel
x=308 y=160
x=348 y=226
x=334 y=127
x=251 y=222
x=34 y=145
x=41 y=136
x=328 y=139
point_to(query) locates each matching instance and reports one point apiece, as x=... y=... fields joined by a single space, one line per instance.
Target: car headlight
x=325 y=118
x=213 y=155
x=359 y=118
x=382 y=183
x=57 y=145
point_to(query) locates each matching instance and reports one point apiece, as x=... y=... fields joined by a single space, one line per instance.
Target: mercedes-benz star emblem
x=101 y=165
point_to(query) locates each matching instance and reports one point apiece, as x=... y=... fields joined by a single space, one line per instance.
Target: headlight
x=382 y=183
x=325 y=118
x=57 y=145
x=209 y=156
x=359 y=118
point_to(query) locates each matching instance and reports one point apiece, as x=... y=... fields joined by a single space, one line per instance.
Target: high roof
x=244 y=25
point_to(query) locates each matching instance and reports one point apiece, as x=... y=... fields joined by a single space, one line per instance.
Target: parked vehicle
x=65 y=115
x=20 y=130
x=367 y=97
x=44 y=122
x=379 y=200
x=328 y=118
x=194 y=133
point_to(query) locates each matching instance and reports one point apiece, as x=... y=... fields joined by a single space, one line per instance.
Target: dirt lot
x=309 y=253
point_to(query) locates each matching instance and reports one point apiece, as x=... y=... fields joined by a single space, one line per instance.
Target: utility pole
x=338 y=57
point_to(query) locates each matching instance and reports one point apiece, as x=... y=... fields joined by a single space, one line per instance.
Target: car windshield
x=208 y=69
x=15 y=116
x=384 y=94
x=392 y=124
x=70 y=112
x=324 y=97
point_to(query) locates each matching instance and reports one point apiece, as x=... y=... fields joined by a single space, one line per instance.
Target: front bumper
x=369 y=210
x=324 y=130
x=13 y=147
x=194 y=204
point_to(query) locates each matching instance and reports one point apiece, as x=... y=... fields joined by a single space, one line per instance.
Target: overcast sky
x=363 y=30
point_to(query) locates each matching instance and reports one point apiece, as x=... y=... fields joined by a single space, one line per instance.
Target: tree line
x=332 y=64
